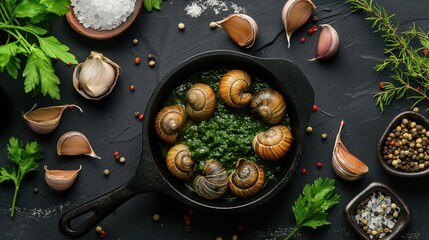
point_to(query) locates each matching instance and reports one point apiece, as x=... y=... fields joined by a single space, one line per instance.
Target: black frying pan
x=152 y=174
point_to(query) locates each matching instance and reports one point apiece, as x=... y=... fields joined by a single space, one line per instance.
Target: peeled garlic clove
x=60 y=180
x=96 y=77
x=345 y=164
x=241 y=28
x=74 y=143
x=295 y=13
x=328 y=43
x=45 y=120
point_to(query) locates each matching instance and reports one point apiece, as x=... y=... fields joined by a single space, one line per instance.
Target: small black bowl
x=401 y=223
x=413 y=116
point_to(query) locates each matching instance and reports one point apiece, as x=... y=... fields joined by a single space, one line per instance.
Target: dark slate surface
x=344 y=87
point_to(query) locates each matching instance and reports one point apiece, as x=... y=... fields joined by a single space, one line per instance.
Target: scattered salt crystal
x=102 y=15
x=197 y=7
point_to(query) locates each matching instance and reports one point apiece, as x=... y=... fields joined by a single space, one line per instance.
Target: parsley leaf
x=24 y=22
x=311 y=206
x=39 y=70
x=151 y=4
x=26 y=158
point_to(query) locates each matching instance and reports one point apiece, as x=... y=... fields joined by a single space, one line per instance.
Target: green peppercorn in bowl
x=403 y=150
x=377 y=212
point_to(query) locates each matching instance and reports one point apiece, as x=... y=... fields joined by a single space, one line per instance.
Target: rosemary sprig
x=407 y=57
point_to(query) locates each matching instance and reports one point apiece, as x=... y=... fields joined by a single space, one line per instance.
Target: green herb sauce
x=228 y=134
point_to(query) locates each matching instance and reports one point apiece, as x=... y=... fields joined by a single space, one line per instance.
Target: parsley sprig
x=152 y=4
x=311 y=206
x=25 y=158
x=406 y=56
x=24 y=22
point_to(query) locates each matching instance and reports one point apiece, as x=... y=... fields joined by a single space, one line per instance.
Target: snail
x=214 y=183
x=233 y=86
x=247 y=180
x=269 y=105
x=179 y=162
x=273 y=144
x=168 y=123
x=201 y=102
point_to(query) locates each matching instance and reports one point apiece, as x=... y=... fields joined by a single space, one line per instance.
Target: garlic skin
x=328 y=43
x=46 y=119
x=60 y=180
x=294 y=14
x=345 y=164
x=241 y=28
x=75 y=143
x=96 y=77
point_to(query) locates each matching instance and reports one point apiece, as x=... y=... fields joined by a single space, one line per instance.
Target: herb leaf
x=54 y=49
x=39 y=70
x=151 y=4
x=59 y=7
x=29 y=8
x=26 y=158
x=310 y=207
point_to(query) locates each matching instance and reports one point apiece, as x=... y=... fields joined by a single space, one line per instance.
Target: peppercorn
x=303 y=40
x=314 y=108
x=314 y=18
x=102 y=234
x=303 y=171
x=416 y=109
x=234 y=237
x=132 y=88
x=425 y=51
x=141 y=117
x=152 y=63
x=324 y=136
x=116 y=155
x=137 y=60
x=35 y=190
x=136 y=114
x=213 y=25
x=98 y=229
x=106 y=172
x=319 y=165
x=150 y=56
x=309 y=130
x=156 y=217
x=135 y=41
x=218 y=238
x=122 y=159
x=181 y=26
x=310 y=31
x=381 y=85
x=314 y=28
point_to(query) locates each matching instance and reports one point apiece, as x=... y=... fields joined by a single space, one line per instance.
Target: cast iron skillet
x=152 y=174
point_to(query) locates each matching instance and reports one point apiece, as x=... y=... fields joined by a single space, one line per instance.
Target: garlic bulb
x=45 y=120
x=75 y=143
x=345 y=164
x=294 y=14
x=60 y=180
x=96 y=77
x=241 y=28
x=328 y=43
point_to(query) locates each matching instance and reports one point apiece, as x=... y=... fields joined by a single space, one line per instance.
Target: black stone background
x=344 y=86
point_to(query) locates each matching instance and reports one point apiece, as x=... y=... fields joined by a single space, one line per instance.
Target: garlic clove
x=345 y=164
x=241 y=28
x=45 y=120
x=96 y=77
x=294 y=14
x=60 y=180
x=328 y=43
x=75 y=143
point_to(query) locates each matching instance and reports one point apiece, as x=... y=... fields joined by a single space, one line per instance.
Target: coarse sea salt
x=197 y=7
x=102 y=15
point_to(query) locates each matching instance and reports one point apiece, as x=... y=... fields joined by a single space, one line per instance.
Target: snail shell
x=214 y=183
x=273 y=144
x=233 y=86
x=247 y=180
x=269 y=105
x=168 y=123
x=179 y=162
x=201 y=102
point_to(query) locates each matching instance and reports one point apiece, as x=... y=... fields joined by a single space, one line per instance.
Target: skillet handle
x=100 y=208
x=298 y=87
